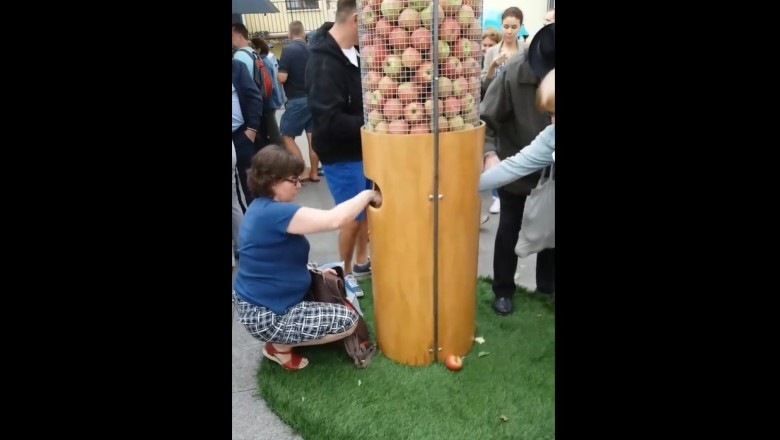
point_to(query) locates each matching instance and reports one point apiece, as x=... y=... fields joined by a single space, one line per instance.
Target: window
x=296 y=5
x=550 y=4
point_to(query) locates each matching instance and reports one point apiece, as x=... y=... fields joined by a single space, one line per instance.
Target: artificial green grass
x=507 y=394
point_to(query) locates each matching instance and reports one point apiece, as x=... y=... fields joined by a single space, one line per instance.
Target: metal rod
x=435 y=116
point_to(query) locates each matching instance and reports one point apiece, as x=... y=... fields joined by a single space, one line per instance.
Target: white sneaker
x=352 y=286
x=495 y=208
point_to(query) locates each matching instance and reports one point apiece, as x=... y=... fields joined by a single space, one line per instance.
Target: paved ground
x=252 y=420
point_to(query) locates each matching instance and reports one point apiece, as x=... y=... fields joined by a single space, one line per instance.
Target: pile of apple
x=397 y=70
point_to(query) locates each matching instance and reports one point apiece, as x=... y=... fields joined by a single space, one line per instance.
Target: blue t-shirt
x=272 y=266
x=293 y=61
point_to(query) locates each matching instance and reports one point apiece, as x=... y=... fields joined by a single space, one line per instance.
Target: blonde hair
x=546 y=92
x=492 y=33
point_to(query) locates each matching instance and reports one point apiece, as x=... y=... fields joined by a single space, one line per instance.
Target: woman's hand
x=330 y=271
x=500 y=59
x=490 y=160
x=376 y=199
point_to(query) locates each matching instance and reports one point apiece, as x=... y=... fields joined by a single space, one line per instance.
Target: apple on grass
x=454 y=362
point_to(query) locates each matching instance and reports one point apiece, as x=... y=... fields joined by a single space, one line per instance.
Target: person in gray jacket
x=513 y=121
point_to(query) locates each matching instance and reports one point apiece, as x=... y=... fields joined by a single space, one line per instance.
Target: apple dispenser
x=422 y=139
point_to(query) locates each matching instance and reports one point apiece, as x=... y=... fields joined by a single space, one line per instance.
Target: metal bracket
x=430 y=197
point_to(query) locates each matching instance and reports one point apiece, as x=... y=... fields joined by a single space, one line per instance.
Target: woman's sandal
x=293 y=364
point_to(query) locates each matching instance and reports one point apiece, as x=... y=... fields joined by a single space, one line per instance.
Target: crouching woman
x=273 y=275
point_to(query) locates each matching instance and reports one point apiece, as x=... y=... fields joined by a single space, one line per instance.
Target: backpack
x=329 y=288
x=277 y=100
x=261 y=76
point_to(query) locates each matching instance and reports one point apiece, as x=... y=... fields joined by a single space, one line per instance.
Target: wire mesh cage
x=420 y=58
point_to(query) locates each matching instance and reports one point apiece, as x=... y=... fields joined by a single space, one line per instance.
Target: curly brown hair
x=271 y=165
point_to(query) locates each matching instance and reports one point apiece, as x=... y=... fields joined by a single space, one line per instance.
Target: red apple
x=366 y=40
x=449 y=30
x=424 y=73
x=407 y=92
x=383 y=28
x=393 y=109
x=411 y=57
x=421 y=39
x=463 y=48
x=409 y=19
x=373 y=56
x=470 y=66
x=451 y=66
x=372 y=79
x=419 y=129
x=451 y=107
x=399 y=127
x=475 y=31
x=398 y=38
x=454 y=362
x=388 y=87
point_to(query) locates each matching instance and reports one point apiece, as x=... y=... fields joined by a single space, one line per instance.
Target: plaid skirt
x=305 y=321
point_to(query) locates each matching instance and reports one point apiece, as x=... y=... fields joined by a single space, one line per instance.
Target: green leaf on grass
x=503 y=418
x=483 y=353
x=360 y=382
x=480 y=339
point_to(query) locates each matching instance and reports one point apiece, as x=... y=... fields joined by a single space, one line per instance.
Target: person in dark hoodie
x=513 y=120
x=336 y=105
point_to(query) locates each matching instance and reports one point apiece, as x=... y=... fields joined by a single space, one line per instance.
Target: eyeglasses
x=293 y=180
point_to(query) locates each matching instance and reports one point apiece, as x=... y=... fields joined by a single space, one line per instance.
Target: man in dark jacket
x=513 y=120
x=247 y=114
x=336 y=105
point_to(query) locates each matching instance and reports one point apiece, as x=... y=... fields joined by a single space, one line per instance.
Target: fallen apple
x=454 y=362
